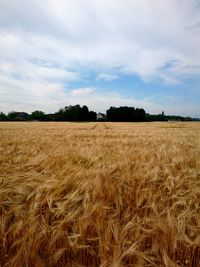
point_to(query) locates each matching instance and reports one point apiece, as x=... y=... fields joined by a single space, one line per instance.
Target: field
x=99 y=194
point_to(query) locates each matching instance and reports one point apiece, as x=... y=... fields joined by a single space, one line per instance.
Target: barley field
x=99 y=194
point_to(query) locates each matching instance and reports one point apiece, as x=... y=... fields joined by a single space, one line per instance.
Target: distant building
x=22 y=116
x=101 y=117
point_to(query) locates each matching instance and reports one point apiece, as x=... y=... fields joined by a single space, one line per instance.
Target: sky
x=100 y=53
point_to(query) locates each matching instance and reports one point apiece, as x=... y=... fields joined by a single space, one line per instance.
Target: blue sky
x=141 y=53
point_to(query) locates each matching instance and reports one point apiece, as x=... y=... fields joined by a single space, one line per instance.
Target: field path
x=100 y=126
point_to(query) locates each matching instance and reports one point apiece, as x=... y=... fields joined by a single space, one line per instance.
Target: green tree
x=3 y=116
x=38 y=115
x=12 y=116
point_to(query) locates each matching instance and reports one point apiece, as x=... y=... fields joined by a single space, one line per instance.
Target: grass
x=99 y=194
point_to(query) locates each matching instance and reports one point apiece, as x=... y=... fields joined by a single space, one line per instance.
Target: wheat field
x=99 y=194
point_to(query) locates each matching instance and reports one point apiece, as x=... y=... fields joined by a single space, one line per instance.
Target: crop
x=99 y=194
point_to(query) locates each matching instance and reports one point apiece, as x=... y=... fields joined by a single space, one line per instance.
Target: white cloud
x=44 y=44
x=140 y=36
x=28 y=95
x=106 y=77
x=82 y=92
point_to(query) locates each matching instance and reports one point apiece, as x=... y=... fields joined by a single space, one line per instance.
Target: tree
x=18 y=116
x=60 y=115
x=92 y=116
x=37 y=115
x=3 y=116
x=12 y=116
x=125 y=114
x=84 y=114
x=75 y=113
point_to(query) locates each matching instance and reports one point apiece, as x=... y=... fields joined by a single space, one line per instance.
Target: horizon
x=142 y=54
x=97 y=112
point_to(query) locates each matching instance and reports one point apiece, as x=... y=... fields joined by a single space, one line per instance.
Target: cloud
x=106 y=77
x=45 y=45
x=28 y=95
x=195 y=26
x=82 y=92
x=95 y=34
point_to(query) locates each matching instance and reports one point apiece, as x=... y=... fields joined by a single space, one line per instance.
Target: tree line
x=78 y=113
x=125 y=114
x=68 y=113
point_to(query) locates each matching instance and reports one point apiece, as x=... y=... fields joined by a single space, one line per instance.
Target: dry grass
x=99 y=194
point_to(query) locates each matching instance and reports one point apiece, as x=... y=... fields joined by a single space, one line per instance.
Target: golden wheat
x=99 y=194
